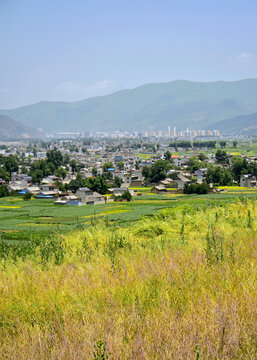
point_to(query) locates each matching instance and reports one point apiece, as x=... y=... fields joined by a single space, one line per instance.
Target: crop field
x=27 y=220
x=242 y=148
x=179 y=284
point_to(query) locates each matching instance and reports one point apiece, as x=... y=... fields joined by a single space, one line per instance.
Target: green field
x=26 y=220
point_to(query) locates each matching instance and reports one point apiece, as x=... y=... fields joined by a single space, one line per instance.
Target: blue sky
x=70 y=50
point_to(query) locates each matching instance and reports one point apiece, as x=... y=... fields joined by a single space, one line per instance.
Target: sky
x=63 y=50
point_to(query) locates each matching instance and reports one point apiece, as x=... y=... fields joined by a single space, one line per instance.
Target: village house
x=68 y=200
x=90 y=197
x=182 y=181
x=120 y=191
x=248 y=181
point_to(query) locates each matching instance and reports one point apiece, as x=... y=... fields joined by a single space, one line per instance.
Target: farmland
x=25 y=220
x=179 y=284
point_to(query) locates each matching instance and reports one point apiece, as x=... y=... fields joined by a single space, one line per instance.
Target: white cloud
x=247 y=56
x=75 y=90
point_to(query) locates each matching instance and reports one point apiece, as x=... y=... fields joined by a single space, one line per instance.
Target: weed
x=100 y=351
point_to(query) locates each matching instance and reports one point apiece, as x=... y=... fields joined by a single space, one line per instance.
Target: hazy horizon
x=115 y=91
x=62 y=51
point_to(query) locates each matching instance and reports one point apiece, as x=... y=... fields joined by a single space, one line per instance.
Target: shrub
x=196 y=189
x=27 y=196
x=4 y=191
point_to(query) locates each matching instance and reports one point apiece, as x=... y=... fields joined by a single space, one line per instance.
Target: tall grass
x=178 y=285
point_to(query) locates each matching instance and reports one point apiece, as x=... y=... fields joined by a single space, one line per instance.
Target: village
x=126 y=168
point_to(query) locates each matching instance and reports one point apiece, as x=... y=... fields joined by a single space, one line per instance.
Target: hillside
x=179 y=103
x=243 y=124
x=12 y=129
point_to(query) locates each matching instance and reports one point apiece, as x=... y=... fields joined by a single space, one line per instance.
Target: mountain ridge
x=179 y=103
x=11 y=129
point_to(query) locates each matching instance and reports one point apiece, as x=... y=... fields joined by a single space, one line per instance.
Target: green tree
x=27 y=196
x=120 y=165
x=239 y=167
x=4 y=191
x=94 y=171
x=156 y=172
x=73 y=165
x=126 y=196
x=201 y=156
x=55 y=156
x=117 y=181
x=61 y=173
x=221 y=157
x=37 y=176
x=97 y=184
x=107 y=165
x=167 y=155
x=11 y=164
x=193 y=164
x=4 y=175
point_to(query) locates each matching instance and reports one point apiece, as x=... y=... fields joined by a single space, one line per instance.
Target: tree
x=218 y=175
x=4 y=191
x=54 y=156
x=199 y=189
x=221 y=157
x=4 y=174
x=120 y=165
x=61 y=173
x=194 y=164
x=201 y=156
x=94 y=171
x=66 y=159
x=97 y=184
x=223 y=144
x=239 y=167
x=73 y=165
x=107 y=165
x=137 y=164
x=11 y=164
x=24 y=170
x=235 y=142
x=126 y=196
x=156 y=172
x=117 y=181
x=60 y=186
x=27 y=196
x=167 y=155
x=37 y=176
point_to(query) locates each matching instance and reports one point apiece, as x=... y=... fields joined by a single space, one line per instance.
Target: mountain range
x=11 y=129
x=184 y=104
x=238 y=125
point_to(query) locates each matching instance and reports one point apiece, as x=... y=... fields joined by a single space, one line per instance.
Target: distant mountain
x=243 y=124
x=178 y=103
x=11 y=129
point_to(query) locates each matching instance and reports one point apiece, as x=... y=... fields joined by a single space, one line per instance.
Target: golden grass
x=9 y=207
x=146 y=290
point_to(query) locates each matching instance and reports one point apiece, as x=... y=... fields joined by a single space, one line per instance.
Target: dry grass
x=147 y=291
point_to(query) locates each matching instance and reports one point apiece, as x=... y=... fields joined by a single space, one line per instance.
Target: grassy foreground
x=178 y=285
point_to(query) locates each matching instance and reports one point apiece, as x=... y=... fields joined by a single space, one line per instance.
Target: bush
x=4 y=191
x=126 y=196
x=196 y=189
x=27 y=196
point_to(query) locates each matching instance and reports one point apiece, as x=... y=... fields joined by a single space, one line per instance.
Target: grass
x=26 y=220
x=180 y=284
